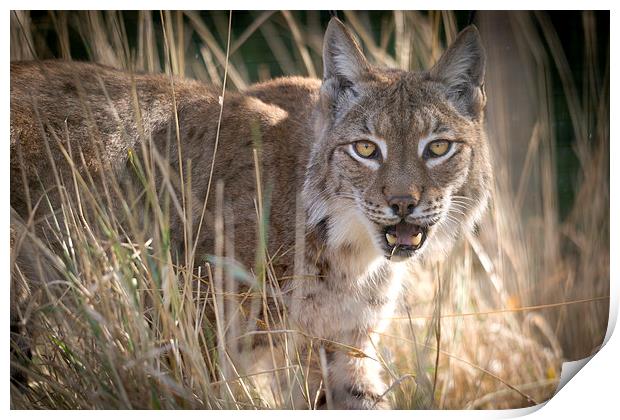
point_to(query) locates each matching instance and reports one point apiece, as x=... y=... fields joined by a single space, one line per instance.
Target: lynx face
x=403 y=155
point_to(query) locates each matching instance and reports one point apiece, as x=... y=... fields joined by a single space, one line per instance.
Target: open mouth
x=403 y=239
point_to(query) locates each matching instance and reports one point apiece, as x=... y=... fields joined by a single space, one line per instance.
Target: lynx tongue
x=404 y=234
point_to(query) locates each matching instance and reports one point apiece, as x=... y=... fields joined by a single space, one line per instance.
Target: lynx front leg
x=355 y=383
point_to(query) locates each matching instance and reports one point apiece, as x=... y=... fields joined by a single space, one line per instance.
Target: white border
x=592 y=394
x=307 y=5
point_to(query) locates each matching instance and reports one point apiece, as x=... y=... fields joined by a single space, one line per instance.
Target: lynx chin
x=365 y=172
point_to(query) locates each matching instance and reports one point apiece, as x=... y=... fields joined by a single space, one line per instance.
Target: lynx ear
x=461 y=69
x=343 y=61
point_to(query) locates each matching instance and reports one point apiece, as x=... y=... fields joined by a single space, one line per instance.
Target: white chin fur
x=349 y=227
x=440 y=243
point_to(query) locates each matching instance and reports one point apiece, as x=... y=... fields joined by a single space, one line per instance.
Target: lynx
x=380 y=167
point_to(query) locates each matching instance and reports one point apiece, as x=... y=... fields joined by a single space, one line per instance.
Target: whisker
x=473 y=200
x=451 y=217
x=457 y=211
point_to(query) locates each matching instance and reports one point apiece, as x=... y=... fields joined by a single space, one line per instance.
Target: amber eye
x=366 y=149
x=438 y=148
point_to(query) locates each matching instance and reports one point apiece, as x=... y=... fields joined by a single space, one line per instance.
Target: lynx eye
x=438 y=148
x=366 y=149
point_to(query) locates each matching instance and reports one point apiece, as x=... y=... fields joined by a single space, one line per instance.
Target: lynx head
x=401 y=161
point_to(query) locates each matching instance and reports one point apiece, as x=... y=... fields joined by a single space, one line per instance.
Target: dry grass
x=123 y=326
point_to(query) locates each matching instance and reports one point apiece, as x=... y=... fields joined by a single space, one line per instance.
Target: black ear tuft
x=344 y=66
x=342 y=57
x=461 y=69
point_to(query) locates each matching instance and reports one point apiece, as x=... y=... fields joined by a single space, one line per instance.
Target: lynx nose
x=402 y=205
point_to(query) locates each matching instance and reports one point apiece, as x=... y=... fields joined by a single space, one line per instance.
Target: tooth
x=416 y=239
x=390 y=238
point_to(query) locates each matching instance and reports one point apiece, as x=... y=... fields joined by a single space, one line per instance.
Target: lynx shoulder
x=366 y=171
